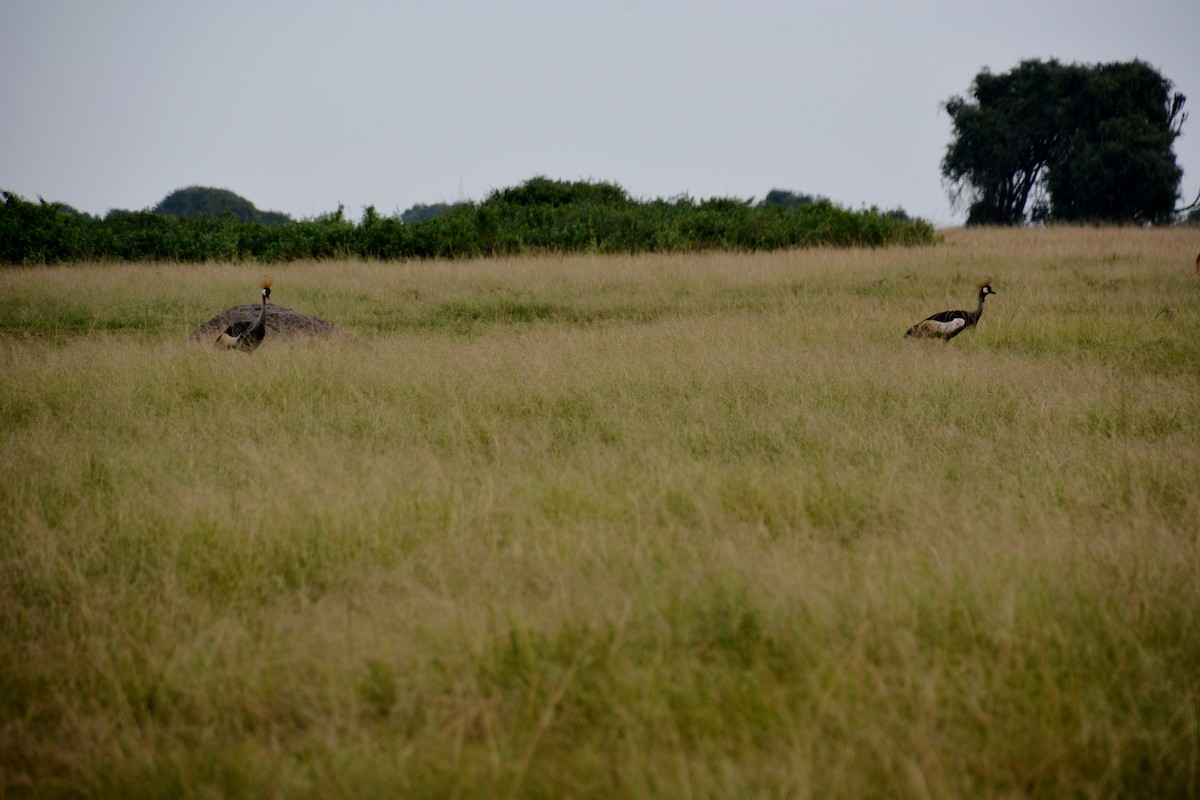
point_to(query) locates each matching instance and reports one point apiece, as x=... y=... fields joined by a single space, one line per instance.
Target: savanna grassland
x=654 y=526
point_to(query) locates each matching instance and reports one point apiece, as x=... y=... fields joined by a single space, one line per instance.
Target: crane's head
x=985 y=288
x=266 y=290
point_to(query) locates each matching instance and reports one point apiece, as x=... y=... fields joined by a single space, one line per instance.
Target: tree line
x=1044 y=143
x=539 y=216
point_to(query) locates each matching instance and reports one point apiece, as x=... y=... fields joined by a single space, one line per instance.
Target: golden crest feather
x=983 y=283
x=266 y=283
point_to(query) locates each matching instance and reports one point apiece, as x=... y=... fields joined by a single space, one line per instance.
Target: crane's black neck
x=975 y=315
x=261 y=322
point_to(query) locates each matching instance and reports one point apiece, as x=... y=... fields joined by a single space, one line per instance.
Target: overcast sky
x=299 y=106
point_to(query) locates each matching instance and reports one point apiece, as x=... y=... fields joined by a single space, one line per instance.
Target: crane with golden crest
x=945 y=325
x=248 y=335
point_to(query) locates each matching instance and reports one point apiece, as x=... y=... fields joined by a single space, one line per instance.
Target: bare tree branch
x=1194 y=204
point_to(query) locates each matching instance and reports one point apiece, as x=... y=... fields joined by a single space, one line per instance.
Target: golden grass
x=647 y=527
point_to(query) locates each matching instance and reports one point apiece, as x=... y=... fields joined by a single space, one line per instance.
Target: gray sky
x=299 y=106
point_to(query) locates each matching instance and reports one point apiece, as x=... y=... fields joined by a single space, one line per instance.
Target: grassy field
x=652 y=527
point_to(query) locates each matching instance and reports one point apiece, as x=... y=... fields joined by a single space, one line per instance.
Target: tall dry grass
x=643 y=527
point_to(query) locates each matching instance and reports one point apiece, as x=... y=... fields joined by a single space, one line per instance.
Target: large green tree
x=202 y=201
x=1069 y=143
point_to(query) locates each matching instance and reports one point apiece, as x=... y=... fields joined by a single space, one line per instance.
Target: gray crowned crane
x=248 y=335
x=945 y=325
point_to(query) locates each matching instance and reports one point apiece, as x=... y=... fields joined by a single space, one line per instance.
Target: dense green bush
x=541 y=215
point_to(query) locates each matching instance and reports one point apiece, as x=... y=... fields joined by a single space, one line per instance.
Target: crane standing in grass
x=945 y=325
x=248 y=335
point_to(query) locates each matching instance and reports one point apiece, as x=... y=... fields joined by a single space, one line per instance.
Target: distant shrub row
x=541 y=215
